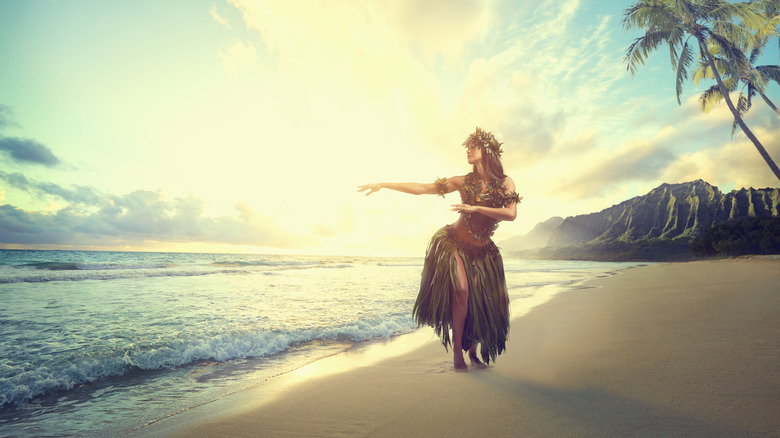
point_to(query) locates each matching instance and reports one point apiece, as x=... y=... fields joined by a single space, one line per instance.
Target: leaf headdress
x=486 y=140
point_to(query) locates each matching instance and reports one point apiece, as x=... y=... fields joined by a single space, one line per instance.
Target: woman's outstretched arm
x=442 y=186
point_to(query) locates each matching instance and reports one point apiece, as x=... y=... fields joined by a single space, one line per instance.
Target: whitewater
x=101 y=343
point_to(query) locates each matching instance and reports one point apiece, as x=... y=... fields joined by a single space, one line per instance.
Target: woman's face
x=473 y=154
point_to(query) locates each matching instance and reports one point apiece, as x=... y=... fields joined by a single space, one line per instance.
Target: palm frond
x=743 y=105
x=754 y=55
x=710 y=98
x=702 y=72
x=682 y=69
x=684 y=9
x=730 y=83
x=752 y=91
x=769 y=7
x=714 y=47
x=769 y=72
x=767 y=30
x=731 y=52
x=674 y=39
x=645 y=12
x=736 y=34
x=755 y=79
x=726 y=12
x=641 y=47
x=635 y=56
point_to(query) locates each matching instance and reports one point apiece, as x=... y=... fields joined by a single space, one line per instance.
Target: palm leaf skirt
x=487 y=321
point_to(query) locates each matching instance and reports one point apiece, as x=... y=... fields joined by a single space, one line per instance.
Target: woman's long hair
x=492 y=166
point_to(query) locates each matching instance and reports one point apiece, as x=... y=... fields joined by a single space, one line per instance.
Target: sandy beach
x=667 y=350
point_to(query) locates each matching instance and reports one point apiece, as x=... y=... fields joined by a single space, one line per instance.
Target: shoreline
x=362 y=354
x=674 y=349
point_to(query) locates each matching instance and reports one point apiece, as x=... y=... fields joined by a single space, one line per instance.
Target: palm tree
x=754 y=79
x=676 y=22
x=741 y=70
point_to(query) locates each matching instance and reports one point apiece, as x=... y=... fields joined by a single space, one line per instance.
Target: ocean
x=103 y=343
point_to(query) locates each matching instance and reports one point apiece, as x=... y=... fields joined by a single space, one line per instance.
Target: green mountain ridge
x=659 y=225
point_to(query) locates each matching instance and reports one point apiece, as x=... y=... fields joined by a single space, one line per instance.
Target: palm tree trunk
x=768 y=102
x=737 y=117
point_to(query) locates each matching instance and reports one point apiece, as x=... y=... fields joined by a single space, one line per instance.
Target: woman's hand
x=464 y=208
x=370 y=187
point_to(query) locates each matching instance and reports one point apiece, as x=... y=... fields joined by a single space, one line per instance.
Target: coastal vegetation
x=722 y=33
x=756 y=235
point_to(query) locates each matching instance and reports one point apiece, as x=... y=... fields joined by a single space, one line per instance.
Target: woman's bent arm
x=508 y=213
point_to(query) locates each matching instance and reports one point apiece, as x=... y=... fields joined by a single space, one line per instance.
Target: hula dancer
x=463 y=285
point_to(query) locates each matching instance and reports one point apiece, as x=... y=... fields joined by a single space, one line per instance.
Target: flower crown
x=486 y=140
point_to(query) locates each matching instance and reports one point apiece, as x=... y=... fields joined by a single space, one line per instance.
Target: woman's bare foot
x=475 y=362
x=459 y=362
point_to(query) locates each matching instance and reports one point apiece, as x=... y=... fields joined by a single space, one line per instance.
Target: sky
x=246 y=125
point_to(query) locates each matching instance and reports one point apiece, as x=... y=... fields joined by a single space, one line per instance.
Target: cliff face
x=667 y=212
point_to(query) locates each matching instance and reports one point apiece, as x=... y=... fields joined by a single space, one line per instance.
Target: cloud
x=353 y=65
x=218 y=18
x=705 y=149
x=639 y=160
x=77 y=195
x=418 y=69
x=443 y=27
x=6 y=117
x=496 y=99
x=732 y=162
x=338 y=28
x=140 y=216
x=28 y=151
x=541 y=86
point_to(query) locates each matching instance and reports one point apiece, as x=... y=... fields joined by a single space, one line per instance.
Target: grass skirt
x=487 y=321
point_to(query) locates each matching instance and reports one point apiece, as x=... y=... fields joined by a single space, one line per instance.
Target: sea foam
x=21 y=383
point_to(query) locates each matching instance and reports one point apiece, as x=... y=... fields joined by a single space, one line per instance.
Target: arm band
x=512 y=197
x=441 y=186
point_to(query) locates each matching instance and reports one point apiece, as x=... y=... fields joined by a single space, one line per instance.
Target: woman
x=463 y=283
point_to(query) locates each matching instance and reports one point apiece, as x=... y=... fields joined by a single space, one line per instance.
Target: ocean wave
x=399 y=265
x=79 y=266
x=280 y=265
x=22 y=383
x=93 y=272
x=273 y=263
x=51 y=266
x=83 y=275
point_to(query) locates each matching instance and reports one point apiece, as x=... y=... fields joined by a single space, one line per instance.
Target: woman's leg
x=460 y=308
